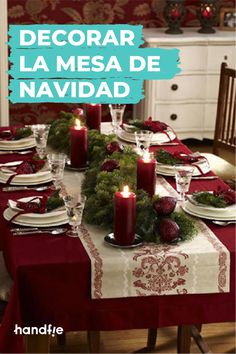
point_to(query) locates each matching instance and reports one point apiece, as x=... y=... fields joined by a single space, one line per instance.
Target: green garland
x=100 y=186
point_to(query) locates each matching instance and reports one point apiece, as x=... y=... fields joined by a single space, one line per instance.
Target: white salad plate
x=157 y=138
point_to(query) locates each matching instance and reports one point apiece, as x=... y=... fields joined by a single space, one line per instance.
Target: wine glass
x=74 y=209
x=117 y=112
x=56 y=164
x=40 y=132
x=143 y=140
x=183 y=175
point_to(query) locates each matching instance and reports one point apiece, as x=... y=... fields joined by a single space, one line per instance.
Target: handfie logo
x=44 y=330
x=84 y=63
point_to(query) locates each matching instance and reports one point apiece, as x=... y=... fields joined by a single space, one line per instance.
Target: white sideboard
x=188 y=102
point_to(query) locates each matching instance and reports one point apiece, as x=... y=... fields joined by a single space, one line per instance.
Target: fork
x=25 y=188
x=24 y=152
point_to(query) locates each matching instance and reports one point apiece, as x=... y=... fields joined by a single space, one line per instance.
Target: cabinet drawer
x=218 y=54
x=181 y=88
x=192 y=58
x=212 y=87
x=186 y=116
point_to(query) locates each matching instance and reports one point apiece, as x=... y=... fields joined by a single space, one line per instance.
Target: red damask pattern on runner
x=157 y=272
x=97 y=289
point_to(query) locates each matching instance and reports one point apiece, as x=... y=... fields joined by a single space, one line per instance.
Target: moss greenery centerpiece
x=111 y=166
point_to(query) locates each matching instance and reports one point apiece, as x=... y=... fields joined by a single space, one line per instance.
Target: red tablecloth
x=52 y=286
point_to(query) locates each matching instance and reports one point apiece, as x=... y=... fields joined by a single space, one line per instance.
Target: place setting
x=16 y=139
x=212 y=205
x=219 y=205
x=33 y=170
x=166 y=162
x=157 y=132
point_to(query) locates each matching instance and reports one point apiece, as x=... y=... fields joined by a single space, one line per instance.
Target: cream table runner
x=191 y=267
x=198 y=266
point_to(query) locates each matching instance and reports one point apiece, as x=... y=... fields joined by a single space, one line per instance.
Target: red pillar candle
x=93 y=116
x=146 y=174
x=78 y=145
x=124 y=217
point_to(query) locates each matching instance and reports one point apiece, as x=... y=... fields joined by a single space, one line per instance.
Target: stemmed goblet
x=56 y=164
x=74 y=210
x=117 y=112
x=183 y=176
x=143 y=140
x=40 y=132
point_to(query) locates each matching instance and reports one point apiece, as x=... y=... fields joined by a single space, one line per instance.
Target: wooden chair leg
x=202 y=345
x=61 y=340
x=93 y=341
x=151 y=339
x=37 y=343
x=184 y=339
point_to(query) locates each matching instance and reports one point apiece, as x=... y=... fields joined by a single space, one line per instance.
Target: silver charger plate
x=110 y=240
x=80 y=169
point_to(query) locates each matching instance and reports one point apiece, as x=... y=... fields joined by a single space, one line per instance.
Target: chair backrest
x=225 y=135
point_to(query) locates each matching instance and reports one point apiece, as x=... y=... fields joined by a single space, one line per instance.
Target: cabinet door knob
x=226 y=57
x=174 y=87
x=173 y=116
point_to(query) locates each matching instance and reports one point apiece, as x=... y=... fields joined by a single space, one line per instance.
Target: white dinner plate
x=37 y=222
x=22 y=144
x=29 y=179
x=156 y=139
x=7 y=214
x=11 y=164
x=207 y=214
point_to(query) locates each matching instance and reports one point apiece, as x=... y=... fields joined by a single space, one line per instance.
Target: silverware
x=205 y=177
x=223 y=223
x=24 y=152
x=18 y=229
x=163 y=144
x=55 y=231
x=24 y=188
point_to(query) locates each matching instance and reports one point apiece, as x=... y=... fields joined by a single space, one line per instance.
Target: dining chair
x=5 y=281
x=225 y=135
x=5 y=286
x=225 y=128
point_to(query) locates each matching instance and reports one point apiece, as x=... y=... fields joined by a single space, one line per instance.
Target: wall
x=145 y=12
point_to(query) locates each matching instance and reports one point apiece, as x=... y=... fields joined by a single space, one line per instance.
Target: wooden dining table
x=52 y=283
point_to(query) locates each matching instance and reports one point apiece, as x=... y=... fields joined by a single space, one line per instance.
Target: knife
x=205 y=177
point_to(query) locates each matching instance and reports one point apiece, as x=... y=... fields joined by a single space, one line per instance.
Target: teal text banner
x=84 y=63
x=74 y=91
x=21 y=36
x=146 y=63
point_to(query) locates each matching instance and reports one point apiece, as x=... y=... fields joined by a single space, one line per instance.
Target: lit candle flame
x=146 y=156
x=125 y=193
x=77 y=124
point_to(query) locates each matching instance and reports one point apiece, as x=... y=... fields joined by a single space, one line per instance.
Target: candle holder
x=207 y=15
x=174 y=13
